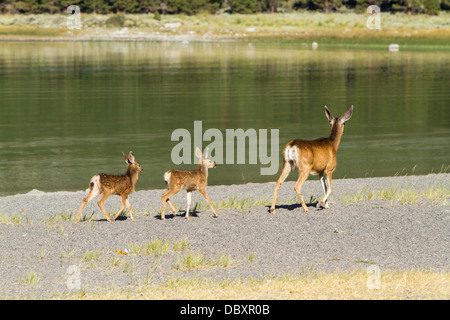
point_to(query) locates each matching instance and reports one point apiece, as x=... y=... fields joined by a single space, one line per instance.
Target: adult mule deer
x=107 y=185
x=313 y=157
x=193 y=180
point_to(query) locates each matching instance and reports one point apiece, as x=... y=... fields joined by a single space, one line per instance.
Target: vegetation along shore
x=304 y=27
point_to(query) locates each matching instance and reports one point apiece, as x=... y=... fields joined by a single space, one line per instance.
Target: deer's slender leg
x=129 y=209
x=105 y=196
x=188 y=197
x=284 y=173
x=89 y=197
x=124 y=201
x=171 y=206
x=164 y=199
x=298 y=185
x=93 y=192
x=328 y=192
x=324 y=186
x=203 y=192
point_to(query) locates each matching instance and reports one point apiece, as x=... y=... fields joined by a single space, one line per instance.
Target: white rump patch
x=96 y=187
x=290 y=154
x=167 y=176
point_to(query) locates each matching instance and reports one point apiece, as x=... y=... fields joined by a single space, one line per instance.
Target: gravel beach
x=41 y=244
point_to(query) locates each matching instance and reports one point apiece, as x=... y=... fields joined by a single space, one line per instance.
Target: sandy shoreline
x=31 y=203
x=348 y=236
x=124 y=34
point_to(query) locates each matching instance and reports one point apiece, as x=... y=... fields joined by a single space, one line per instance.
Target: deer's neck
x=133 y=175
x=335 y=135
x=203 y=170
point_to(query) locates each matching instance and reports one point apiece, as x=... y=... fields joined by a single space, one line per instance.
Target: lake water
x=69 y=109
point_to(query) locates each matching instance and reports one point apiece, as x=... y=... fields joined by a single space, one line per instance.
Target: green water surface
x=69 y=109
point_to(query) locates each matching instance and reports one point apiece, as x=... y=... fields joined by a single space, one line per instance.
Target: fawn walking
x=107 y=184
x=193 y=180
x=313 y=157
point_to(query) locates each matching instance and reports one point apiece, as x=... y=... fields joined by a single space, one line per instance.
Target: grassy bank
x=336 y=285
x=327 y=29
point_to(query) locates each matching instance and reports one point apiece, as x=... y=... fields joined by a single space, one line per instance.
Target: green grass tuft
x=438 y=194
x=29 y=278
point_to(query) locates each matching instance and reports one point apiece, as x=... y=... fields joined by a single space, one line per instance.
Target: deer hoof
x=322 y=205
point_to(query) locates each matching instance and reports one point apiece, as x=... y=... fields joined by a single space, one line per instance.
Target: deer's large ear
x=347 y=115
x=198 y=153
x=328 y=114
x=131 y=158
x=126 y=158
x=205 y=154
